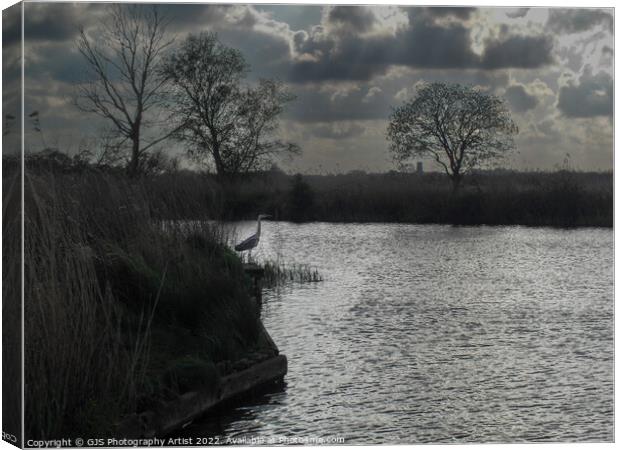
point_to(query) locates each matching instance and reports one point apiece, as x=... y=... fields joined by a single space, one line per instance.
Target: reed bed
x=123 y=306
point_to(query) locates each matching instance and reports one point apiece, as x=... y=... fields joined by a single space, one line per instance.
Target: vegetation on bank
x=124 y=307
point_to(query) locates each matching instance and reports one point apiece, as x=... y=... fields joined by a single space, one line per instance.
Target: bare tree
x=458 y=126
x=125 y=85
x=103 y=151
x=226 y=123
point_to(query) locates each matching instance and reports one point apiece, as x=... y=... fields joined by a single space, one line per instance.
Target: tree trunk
x=134 y=162
x=456 y=182
x=220 y=169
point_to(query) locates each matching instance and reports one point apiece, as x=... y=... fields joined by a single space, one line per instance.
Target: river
x=432 y=333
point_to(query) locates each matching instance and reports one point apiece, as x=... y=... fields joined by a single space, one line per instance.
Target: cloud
x=462 y=13
x=517 y=13
x=331 y=103
x=373 y=91
x=337 y=131
x=591 y=96
x=524 y=52
x=60 y=26
x=187 y=16
x=519 y=99
x=358 y=19
x=349 y=101
x=422 y=43
x=58 y=22
x=55 y=61
x=11 y=26
x=578 y=20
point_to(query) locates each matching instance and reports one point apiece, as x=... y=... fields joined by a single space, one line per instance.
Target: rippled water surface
x=424 y=333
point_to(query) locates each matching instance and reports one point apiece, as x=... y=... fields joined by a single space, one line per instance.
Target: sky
x=349 y=65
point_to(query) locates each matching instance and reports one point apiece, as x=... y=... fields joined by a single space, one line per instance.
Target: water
x=424 y=333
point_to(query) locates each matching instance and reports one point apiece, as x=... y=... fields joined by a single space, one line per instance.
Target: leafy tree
x=300 y=198
x=124 y=84
x=227 y=123
x=459 y=127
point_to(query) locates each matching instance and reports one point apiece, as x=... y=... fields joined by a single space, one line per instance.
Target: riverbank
x=126 y=310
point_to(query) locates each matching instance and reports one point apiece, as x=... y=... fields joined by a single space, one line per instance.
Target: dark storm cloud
x=264 y=42
x=423 y=44
x=61 y=64
x=519 y=99
x=352 y=18
x=591 y=96
x=184 y=16
x=11 y=25
x=50 y=28
x=523 y=52
x=324 y=53
x=57 y=22
x=578 y=20
x=462 y=13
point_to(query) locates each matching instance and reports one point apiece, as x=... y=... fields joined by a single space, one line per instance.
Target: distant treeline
x=563 y=198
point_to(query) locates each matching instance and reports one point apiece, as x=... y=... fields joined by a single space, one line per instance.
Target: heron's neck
x=258 y=227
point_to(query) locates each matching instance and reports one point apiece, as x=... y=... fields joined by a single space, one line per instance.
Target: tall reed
x=81 y=369
x=117 y=294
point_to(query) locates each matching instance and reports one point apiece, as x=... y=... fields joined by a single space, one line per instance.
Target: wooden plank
x=187 y=407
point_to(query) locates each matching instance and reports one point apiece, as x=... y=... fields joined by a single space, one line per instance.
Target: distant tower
x=419 y=168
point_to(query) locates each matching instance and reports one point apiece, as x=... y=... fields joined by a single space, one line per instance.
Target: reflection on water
x=438 y=334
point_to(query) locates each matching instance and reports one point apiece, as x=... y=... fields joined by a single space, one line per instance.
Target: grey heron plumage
x=252 y=241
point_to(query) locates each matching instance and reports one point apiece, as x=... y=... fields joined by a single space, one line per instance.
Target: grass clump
x=277 y=273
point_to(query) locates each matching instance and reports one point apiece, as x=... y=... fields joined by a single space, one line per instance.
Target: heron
x=252 y=241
